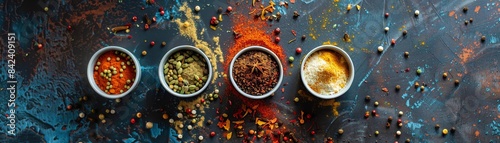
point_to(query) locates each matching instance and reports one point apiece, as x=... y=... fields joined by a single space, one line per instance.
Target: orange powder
x=118 y=60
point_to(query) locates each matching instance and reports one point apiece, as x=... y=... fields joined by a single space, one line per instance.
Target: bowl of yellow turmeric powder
x=113 y=72
x=327 y=71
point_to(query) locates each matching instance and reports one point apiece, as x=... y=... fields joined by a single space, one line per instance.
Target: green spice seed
x=419 y=71
x=216 y=96
x=291 y=59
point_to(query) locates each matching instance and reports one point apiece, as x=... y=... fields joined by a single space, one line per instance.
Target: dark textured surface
x=438 y=41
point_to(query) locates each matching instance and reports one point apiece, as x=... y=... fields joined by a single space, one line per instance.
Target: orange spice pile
x=114 y=72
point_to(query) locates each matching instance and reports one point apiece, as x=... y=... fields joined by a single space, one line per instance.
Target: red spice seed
x=152 y=43
x=386 y=15
x=160 y=9
x=129 y=36
x=308 y=116
x=393 y=41
x=188 y=110
x=142 y=8
x=400 y=121
x=40 y=46
x=212 y=134
x=146 y=26
x=313 y=132
x=229 y=9
x=277 y=39
x=162 y=13
x=154 y=19
x=298 y=50
x=277 y=31
x=202 y=100
x=69 y=27
x=134 y=18
x=285 y=138
x=132 y=121
x=68 y=107
x=374 y=112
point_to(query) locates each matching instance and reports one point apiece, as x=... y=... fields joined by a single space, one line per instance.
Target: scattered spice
x=303 y=37
x=326 y=72
x=407 y=54
x=255 y=68
x=437 y=126
x=40 y=46
x=291 y=59
x=405 y=32
x=138 y=115
x=298 y=50
x=163 y=44
x=277 y=39
x=149 y=125
x=457 y=82
x=471 y=20
x=212 y=134
x=393 y=41
x=400 y=113
x=376 y=132
x=106 y=72
x=367 y=98
x=380 y=49
x=385 y=89
x=144 y=53
x=466 y=22
x=416 y=84
x=197 y=8
x=386 y=15
x=417 y=12
x=445 y=131
x=419 y=71
x=341 y=131
x=483 y=38
x=465 y=9
x=398 y=87
x=295 y=14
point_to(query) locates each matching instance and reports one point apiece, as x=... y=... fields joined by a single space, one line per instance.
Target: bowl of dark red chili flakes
x=256 y=72
x=113 y=72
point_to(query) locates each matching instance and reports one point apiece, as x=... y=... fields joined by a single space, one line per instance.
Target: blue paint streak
x=404 y=96
x=413 y=125
x=408 y=103
x=129 y=140
x=493 y=40
x=488 y=89
x=495 y=127
x=173 y=136
x=307 y=1
x=366 y=76
x=498 y=107
x=155 y=131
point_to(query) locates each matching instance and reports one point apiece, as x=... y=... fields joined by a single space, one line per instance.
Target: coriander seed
x=445 y=75
x=380 y=49
x=149 y=125
x=341 y=131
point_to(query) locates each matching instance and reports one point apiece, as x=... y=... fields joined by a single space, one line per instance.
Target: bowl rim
x=161 y=75
x=349 y=62
x=91 y=65
x=265 y=50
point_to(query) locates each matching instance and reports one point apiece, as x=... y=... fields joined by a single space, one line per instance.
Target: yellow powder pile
x=326 y=72
x=188 y=29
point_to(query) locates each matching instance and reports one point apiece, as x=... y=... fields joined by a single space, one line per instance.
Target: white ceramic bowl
x=91 y=65
x=161 y=74
x=265 y=50
x=349 y=63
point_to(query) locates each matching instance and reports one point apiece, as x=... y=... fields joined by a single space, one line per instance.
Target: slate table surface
x=51 y=78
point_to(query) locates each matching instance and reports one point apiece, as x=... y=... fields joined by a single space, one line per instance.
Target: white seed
x=117 y=100
x=386 y=29
x=179 y=115
x=200 y=138
x=380 y=48
x=193 y=112
x=417 y=12
x=190 y=127
x=109 y=59
x=179 y=136
x=216 y=91
x=179 y=108
x=197 y=8
x=81 y=115
x=181 y=126
x=149 y=125
x=112 y=111
x=400 y=113
x=398 y=133
x=117 y=58
x=171 y=121
x=103 y=121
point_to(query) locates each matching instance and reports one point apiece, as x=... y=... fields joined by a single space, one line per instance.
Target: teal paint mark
x=129 y=140
x=417 y=104
x=495 y=128
x=493 y=40
x=408 y=103
x=488 y=89
x=155 y=131
x=498 y=107
x=404 y=96
x=413 y=125
x=307 y=1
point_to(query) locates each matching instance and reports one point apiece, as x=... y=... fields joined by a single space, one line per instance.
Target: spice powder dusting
x=326 y=72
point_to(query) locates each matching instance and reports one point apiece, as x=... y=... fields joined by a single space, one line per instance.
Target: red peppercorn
x=69 y=27
x=285 y=138
x=386 y=15
x=132 y=121
x=277 y=39
x=129 y=36
x=146 y=26
x=229 y=9
x=151 y=1
x=202 y=100
x=214 y=21
x=134 y=18
x=68 y=107
x=393 y=41
x=160 y=9
x=40 y=46
x=162 y=13
x=400 y=121
x=374 y=112
x=298 y=50
x=308 y=116
x=277 y=31
x=212 y=134
x=152 y=43
x=313 y=132
x=142 y=8
x=188 y=110
x=154 y=19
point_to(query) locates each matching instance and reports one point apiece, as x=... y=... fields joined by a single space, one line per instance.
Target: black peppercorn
x=398 y=87
x=466 y=22
x=219 y=10
x=453 y=129
x=470 y=20
x=295 y=14
x=367 y=98
x=389 y=119
x=465 y=9
x=303 y=37
x=405 y=32
x=483 y=38
x=437 y=126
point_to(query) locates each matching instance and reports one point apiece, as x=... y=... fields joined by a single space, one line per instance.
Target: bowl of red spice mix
x=256 y=72
x=327 y=71
x=185 y=71
x=113 y=72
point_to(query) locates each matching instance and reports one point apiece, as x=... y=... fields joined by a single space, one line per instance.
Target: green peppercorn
x=419 y=71
x=291 y=59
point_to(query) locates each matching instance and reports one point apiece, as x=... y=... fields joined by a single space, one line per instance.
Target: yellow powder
x=188 y=28
x=333 y=103
x=326 y=72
